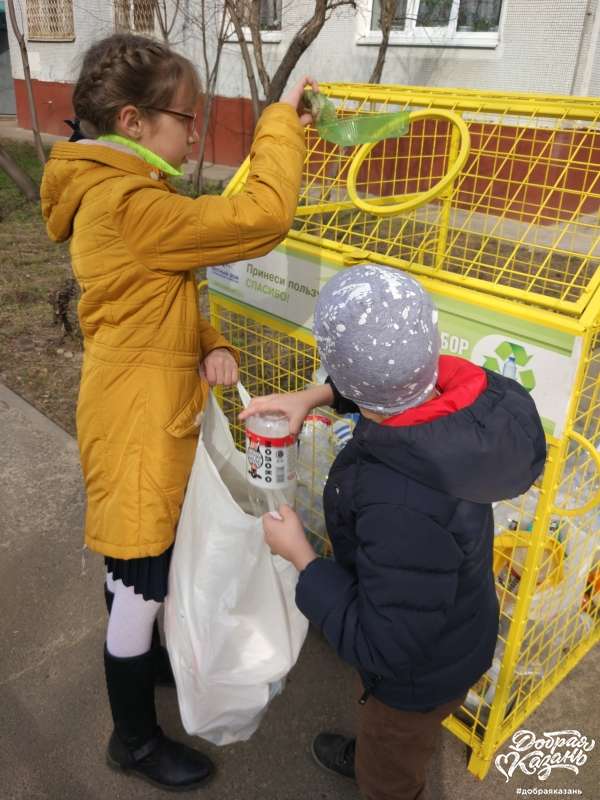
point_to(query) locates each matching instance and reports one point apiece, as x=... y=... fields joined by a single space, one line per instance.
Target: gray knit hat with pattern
x=376 y=330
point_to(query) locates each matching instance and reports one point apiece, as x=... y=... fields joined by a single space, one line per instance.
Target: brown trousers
x=393 y=748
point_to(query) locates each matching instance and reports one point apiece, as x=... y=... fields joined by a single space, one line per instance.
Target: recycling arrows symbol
x=526 y=377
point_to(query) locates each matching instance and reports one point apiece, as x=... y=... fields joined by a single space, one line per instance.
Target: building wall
x=595 y=82
x=60 y=61
x=537 y=51
x=594 y=87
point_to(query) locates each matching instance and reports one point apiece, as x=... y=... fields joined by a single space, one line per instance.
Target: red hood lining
x=460 y=384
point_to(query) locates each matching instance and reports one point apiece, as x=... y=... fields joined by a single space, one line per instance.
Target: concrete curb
x=9 y=399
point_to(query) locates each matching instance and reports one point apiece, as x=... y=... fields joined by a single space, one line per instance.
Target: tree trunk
x=254 y=24
x=165 y=26
x=25 y=59
x=18 y=176
x=388 y=12
x=239 y=32
x=300 y=43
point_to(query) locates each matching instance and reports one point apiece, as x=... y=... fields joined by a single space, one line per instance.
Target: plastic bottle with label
x=270 y=462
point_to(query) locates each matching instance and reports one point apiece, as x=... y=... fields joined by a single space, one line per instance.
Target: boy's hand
x=287 y=539
x=296 y=405
x=294 y=98
x=219 y=367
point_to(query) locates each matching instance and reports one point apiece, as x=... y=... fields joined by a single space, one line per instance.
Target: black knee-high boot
x=163 y=674
x=137 y=744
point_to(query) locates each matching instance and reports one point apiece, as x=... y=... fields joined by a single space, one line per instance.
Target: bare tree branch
x=254 y=25
x=160 y=10
x=304 y=37
x=35 y=125
x=247 y=12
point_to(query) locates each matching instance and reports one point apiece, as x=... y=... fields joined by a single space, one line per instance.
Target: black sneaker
x=335 y=753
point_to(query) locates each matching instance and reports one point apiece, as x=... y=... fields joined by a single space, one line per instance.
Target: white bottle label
x=270 y=461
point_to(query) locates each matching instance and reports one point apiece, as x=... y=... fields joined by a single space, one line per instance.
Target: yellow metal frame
x=497 y=732
x=470 y=100
x=340 y=219
x=594 y=501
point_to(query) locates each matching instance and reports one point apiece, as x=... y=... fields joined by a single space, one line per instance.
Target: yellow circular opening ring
x=594 y=501
x=413 y=200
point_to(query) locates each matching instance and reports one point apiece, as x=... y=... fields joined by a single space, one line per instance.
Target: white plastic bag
x=232 y=627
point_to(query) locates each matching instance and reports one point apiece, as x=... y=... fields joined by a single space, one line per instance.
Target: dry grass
x=37 y=359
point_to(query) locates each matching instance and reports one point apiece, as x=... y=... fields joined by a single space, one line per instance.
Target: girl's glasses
x=190 y=118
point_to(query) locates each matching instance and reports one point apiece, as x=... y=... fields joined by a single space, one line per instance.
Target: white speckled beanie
x=376 y=330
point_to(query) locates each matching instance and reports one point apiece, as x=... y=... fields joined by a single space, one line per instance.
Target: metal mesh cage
x=510 y=250
x=520 y=219
x=547 y=568
x=50 y=20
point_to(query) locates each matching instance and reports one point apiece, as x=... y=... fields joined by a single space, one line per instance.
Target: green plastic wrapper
x=358 y=129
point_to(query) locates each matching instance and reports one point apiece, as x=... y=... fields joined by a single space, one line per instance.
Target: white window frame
x=267 y=37
x=446 y=36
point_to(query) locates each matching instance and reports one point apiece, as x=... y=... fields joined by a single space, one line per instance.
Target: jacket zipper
x=369 y=689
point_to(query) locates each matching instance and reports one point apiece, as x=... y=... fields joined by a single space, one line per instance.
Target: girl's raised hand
x=295 y=98
x=219 y=367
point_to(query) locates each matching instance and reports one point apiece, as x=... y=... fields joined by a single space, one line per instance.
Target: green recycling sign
x=512 y=358
x=542 y=359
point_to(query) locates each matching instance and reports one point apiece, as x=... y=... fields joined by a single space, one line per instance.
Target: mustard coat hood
x=75 y=168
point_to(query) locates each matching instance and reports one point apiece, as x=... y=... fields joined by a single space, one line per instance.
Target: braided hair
x=125 y=68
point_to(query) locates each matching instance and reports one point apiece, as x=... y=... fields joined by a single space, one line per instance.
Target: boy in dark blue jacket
x=409 y=599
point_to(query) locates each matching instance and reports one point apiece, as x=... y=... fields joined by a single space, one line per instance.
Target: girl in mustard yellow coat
x=149 y=358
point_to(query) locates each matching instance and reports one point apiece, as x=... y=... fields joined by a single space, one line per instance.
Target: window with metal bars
x=50 y=20
x=136 y=16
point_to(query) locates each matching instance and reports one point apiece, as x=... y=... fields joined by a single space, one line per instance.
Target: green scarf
x=147 y=155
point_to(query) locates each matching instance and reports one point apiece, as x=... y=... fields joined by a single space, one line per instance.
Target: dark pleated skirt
x=147 y=576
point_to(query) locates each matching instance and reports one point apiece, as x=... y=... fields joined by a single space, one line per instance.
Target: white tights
x=130 y=622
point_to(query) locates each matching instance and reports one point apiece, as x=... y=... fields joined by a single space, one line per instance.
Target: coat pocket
x=187 y=421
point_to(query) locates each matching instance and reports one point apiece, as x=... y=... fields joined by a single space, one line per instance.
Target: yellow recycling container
x=492 y=201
